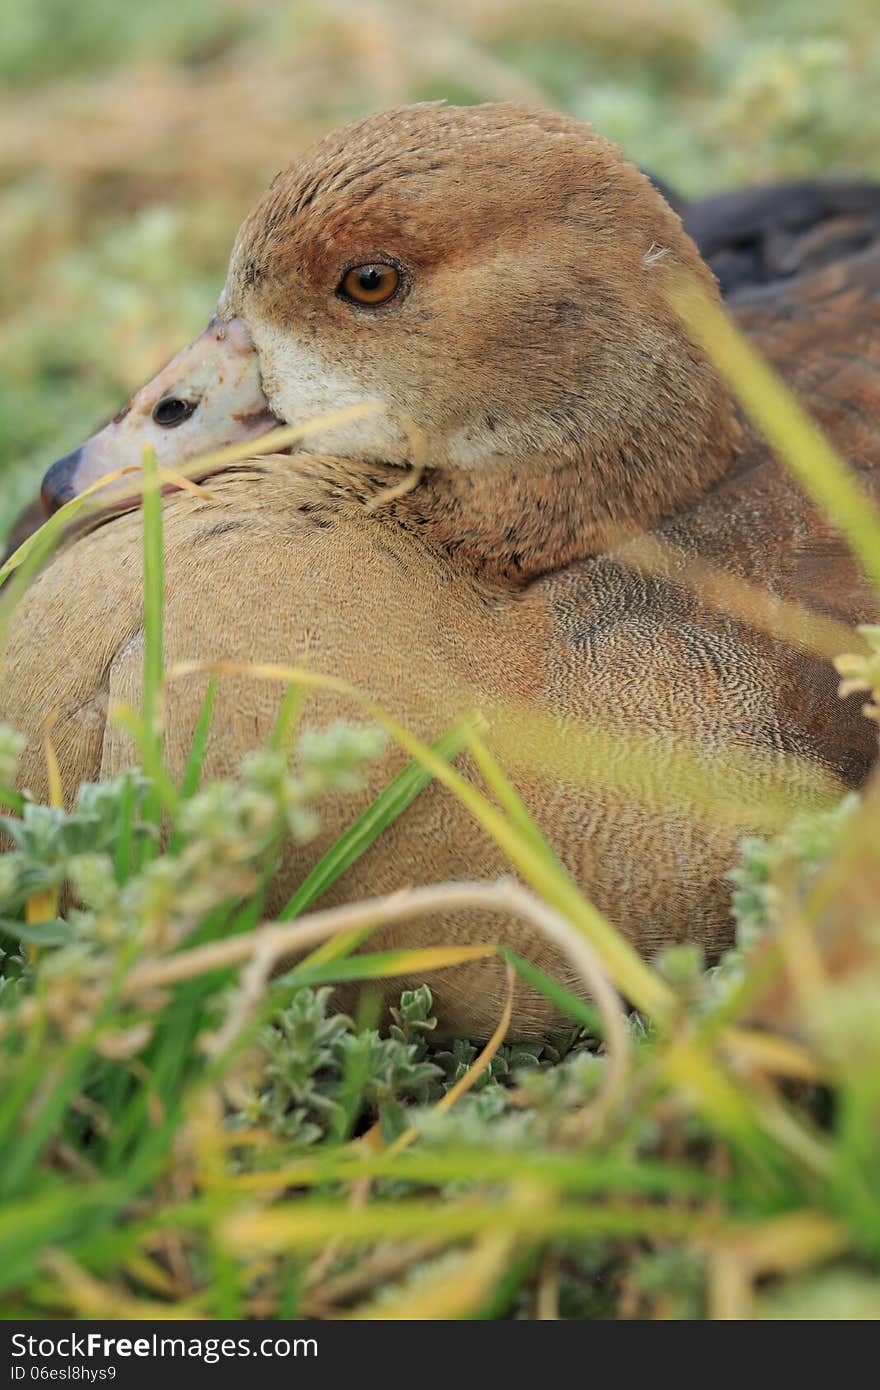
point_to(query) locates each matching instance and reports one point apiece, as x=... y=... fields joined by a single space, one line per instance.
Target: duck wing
x=769 y=234
x=822 y=334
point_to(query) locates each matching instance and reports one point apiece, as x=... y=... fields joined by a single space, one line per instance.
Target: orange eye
x=370 y=284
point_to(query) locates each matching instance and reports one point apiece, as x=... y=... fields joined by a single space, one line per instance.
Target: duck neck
x=512 y=522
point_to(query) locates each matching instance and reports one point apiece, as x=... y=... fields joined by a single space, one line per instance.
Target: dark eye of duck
x=369 y=284
x=171 y=411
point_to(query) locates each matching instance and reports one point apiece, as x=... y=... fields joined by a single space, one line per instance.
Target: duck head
x=497 y=277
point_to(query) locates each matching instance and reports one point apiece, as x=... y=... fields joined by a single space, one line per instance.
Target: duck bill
x=209 y=396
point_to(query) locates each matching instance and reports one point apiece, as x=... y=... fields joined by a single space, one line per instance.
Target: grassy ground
x=178 y=1133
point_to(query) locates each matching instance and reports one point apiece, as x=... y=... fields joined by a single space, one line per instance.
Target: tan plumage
x=566 y=413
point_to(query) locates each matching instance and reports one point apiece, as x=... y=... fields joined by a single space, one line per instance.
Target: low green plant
x=119 y=1102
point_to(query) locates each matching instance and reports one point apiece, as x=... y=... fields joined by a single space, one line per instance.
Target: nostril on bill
x=173 y=410
x=59 y=482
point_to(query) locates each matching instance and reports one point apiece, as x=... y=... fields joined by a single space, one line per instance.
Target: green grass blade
x=124 y=848
x=192 y=775
x=391 y=802
x=165 y=795
x=287 y=722
x=154 y=597
x=568 y=1003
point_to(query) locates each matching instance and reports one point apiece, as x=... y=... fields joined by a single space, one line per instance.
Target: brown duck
x=498 y=278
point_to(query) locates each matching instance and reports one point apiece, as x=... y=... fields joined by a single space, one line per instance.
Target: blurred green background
x=133 y=138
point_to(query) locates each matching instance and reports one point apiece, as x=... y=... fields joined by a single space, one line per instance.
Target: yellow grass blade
x=418 y=962
x=300 y=1225
x=274 y=441
x=818 y=468
x=747 y=602
x=446 y=1295
x=336 y=946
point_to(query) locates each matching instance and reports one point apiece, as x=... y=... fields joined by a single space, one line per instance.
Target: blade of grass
x=818 y=468
x=443 y=1295
x=391 y=802
x=380 y=965
x=165 y=793
x=567 y=1003
x=123 y=850
x=284 y=731
x=303 y=1225
x=28 y=561
x=154 y=602
x=575 y=1171
x=192 y=775
x=38 y=546
x=338 y=947
x=506 y=795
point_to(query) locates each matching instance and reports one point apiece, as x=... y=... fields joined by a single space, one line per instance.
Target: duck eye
x=369 y=284
x=171 y=411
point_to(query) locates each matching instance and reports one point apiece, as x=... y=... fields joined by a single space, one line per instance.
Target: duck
x=498 y=279
x=750 y=238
